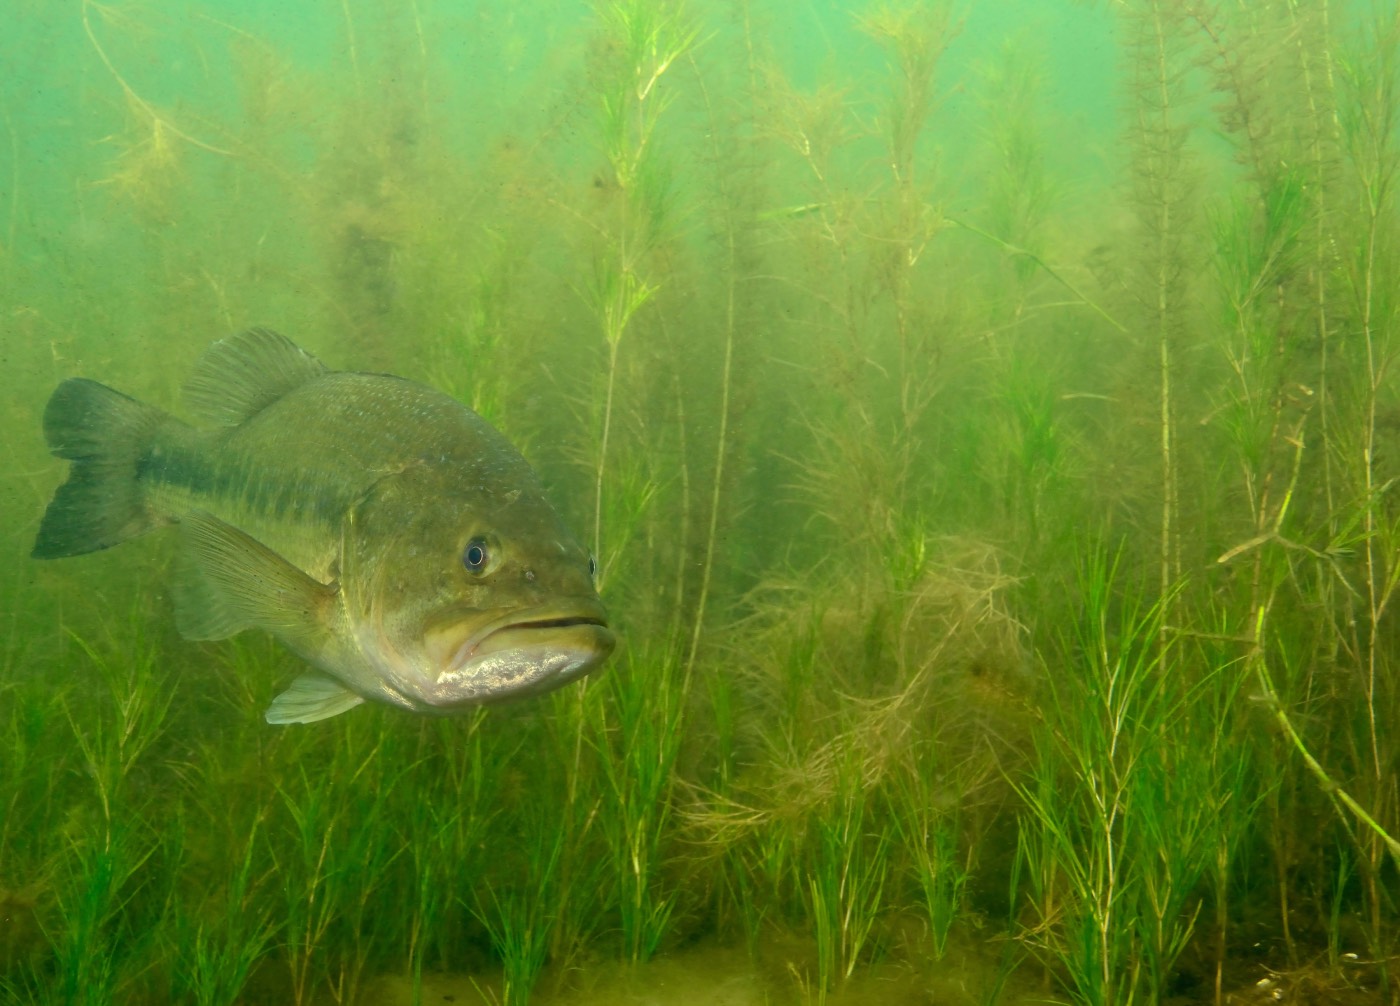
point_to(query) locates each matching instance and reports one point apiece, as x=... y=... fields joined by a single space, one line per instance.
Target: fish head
x=465 y=592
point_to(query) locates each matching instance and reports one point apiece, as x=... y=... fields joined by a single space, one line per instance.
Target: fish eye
x=592 y=567
x=475 y=556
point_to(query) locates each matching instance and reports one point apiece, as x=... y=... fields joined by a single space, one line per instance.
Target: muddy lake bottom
x=967 y=976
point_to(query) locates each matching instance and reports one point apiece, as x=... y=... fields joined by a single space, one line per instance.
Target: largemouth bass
x=381 y=530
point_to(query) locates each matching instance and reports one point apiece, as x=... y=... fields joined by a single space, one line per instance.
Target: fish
x=379 y=529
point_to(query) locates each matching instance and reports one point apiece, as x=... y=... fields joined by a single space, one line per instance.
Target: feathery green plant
x=929 y=832
x=307 y=867
x=636 y=742
x=643 y=40
x=846 y=867
x=213 y=948
x=520 y=920
x=105 y=862
x=1120 y=826
x=1369 y=126
x=1161 y=200
x=452 y=794
x=97 y=945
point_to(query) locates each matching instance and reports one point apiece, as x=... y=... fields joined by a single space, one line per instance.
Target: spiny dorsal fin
x=240 y=376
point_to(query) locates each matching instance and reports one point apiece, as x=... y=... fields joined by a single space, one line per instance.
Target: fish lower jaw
x=511 y=672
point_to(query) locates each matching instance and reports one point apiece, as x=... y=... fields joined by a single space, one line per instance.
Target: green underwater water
x=983 y=415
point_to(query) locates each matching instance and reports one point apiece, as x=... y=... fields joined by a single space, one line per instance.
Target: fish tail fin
x=105 y=434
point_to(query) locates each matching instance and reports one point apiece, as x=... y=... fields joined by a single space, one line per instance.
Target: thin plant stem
x=1330 y=786
x=1017 y=252
x=599 y=478
x=722 y=436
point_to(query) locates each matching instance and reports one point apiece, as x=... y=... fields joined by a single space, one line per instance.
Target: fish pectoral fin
x=228 y=581
x=311 y=697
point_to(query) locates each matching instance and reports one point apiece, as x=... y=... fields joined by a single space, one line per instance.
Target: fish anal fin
x=311 y=697
x=240 y=376
x=229 y=581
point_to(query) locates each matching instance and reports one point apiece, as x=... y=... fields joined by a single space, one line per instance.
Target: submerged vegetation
x=990 y=457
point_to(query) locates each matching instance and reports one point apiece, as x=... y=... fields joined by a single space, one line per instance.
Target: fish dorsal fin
x=309 y=698
x=240 y=376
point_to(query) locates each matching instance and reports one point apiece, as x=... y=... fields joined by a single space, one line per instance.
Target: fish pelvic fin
x=228 y=581
x=311 y=697
x=104 y=434
x=240 y=376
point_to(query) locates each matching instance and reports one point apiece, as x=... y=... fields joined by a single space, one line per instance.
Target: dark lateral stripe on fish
x=234 y=482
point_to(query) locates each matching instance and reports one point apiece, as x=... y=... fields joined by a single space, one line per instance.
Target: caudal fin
x=104 y=433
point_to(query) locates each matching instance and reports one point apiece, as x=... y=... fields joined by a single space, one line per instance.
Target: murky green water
x=983 y=420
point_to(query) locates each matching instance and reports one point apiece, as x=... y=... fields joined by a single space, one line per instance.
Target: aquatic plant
x=642 y=41
x=100 y=923
x=519 y=920
x=846 y=867
x=214 y=948
x=928 y=821
x=636 y=742
x=1120 y=828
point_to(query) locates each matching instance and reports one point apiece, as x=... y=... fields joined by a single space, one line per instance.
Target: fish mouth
x=485 y=656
